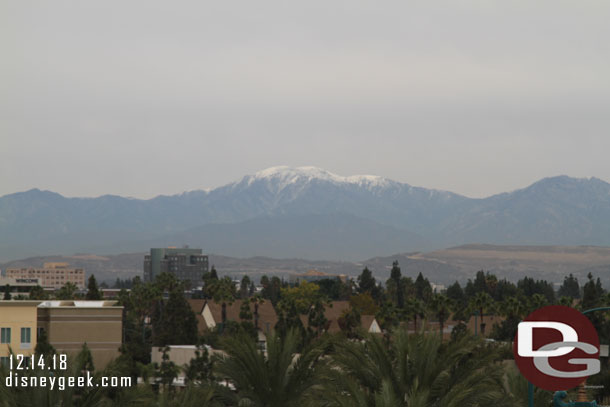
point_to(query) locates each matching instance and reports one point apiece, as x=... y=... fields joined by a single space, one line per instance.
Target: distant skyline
x=144 y=98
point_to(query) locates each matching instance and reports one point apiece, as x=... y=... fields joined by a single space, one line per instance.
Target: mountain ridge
x=290 y=201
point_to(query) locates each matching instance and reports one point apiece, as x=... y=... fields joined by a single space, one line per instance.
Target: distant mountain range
x=307 y=213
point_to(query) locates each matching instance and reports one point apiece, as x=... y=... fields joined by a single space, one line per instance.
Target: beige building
x=18 y=286
x=70 y=324
x=17 y=328
x=51 y=275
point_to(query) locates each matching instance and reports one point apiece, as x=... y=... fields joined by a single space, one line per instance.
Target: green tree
x=364 y=304
x=414 y=309
x=168 y=370
x=209 y=280
x=396 y=283
x=43 y=347
x=38 y=293
x=67 y=291
x=304 y=296
x=7 y=292
x=366 y=282
x=456 y=293
x=223 y=292
x=513 y=309
x=482 y=303
x=316 y=318
x=174 y=322
x=423 y=289
x=350 y=322
x=244 y=287
x=569 y=287
x=271 y=289
x=517 y=390
x=93 y=292
x=592 y=293
x=281 y=377
x=199 y=369
x=84 y=359
x=442 y=307
x=414 y=370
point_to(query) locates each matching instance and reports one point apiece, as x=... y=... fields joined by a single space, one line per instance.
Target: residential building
x=209 y=314
x=186 y=264
x=70 y=324
x=368 y=323
x=51 y=275
x=17 y=328
x=334 y=311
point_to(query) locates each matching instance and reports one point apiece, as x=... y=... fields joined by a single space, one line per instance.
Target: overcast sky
x=141 y=98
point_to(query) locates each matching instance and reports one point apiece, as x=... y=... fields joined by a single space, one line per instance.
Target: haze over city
x=148 y=97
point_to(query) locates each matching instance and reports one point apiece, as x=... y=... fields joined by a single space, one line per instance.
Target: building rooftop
x=77 y=304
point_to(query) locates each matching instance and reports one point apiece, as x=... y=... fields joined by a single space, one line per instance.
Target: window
x=5 y=335
x=26 y=334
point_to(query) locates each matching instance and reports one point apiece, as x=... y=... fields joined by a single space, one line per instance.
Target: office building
x=18 y=286
x=51 y=275
x=186 y=264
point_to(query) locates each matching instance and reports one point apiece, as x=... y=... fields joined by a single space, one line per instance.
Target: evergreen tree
x=271 y=289
x=505 y=290
x=84 y=359
x=455 y=292
x=168 y=370
x=174 y=322
x=213 y=273
x=199 y=369
x=93 y=293
x=43 y=347
x=396 y=279
x=244 y=287
x=423 y=289
x=569 y=288
x=316 y=318
x=7 y=292
x=366 y=281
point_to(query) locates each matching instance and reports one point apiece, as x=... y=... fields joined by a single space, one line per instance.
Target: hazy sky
x=140 y=98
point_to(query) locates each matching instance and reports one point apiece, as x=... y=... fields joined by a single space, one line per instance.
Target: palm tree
x=415 y=370
x=282 y=378
x=482 y=302
x=414 y=308
x=517 y=389
x=223 y=291
x=512 y=308
x=442 y=307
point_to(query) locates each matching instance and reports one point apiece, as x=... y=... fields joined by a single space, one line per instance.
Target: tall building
x=186 y=264
x=51 y=275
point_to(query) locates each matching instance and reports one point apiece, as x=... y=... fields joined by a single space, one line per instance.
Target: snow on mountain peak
x=284 y=176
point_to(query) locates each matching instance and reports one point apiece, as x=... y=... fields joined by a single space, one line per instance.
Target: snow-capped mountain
x=307 y=212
